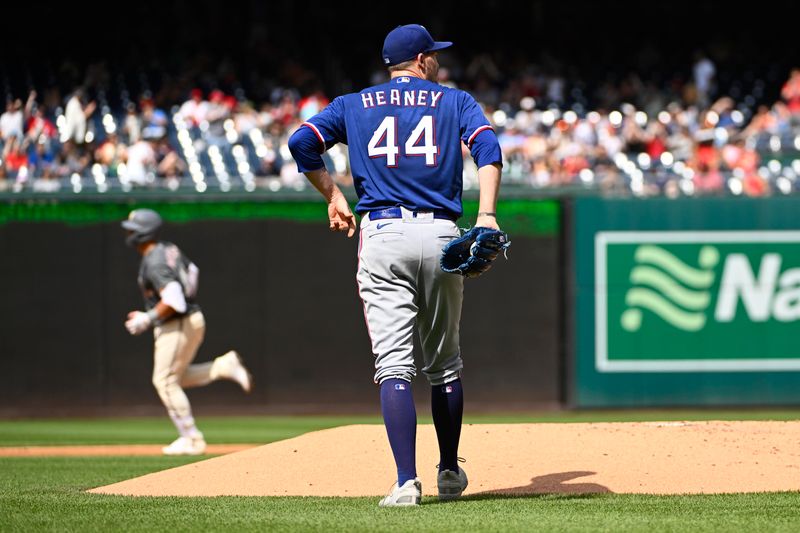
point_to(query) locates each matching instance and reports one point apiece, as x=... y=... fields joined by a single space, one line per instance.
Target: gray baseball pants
x=405 y=292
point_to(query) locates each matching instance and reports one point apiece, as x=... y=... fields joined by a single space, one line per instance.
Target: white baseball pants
x=176 y=345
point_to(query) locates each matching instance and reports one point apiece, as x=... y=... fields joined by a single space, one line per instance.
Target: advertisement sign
x=687 y=302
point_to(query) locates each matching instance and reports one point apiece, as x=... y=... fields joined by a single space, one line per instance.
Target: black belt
x=396 y=212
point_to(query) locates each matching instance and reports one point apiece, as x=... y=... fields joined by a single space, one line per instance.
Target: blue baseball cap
x=405 y=42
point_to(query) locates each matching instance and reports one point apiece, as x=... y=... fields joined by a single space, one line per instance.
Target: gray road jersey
x=166 y=263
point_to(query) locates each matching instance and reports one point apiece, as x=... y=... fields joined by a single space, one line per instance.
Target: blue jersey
x=404 y=139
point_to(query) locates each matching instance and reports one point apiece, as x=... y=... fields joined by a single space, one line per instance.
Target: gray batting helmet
x=143 y=224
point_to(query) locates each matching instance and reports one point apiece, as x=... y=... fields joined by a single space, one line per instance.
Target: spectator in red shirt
x=14 y=156
x=39 y=125
x=739 y=158
x=286 y=110
x=791 y=92
x=655 y=139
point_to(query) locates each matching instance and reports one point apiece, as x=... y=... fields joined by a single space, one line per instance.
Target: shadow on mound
x=552 y=484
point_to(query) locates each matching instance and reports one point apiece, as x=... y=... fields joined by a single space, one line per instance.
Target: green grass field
x=46 y=494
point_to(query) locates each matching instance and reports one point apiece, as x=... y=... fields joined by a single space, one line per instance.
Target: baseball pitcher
x=404 y=139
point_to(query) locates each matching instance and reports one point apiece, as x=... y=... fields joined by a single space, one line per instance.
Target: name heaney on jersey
x=396 y=97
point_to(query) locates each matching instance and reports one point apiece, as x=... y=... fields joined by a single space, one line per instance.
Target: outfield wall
x=603 y=303
x=275 y=284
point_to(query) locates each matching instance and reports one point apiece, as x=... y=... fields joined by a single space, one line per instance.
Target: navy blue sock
x=400 y=419
x=447 y=406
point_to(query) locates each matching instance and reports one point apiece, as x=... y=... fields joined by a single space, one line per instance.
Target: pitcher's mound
x=654 y=457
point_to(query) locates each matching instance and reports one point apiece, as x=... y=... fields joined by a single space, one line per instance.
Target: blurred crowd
x=627 y=136
x=644 y=140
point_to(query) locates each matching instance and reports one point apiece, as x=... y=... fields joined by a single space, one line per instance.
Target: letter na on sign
x=768 y=295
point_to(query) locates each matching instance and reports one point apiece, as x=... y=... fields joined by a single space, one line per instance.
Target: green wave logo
x=674 y=291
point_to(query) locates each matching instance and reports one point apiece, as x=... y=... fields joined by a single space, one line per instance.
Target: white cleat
x=451 y=485
x=407 y=495
x=230 y=366
x=186 y=446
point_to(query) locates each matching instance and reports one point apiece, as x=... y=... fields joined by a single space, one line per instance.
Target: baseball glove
x=473 y=253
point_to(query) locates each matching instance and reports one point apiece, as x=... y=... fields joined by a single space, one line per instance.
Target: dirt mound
x=656 y=458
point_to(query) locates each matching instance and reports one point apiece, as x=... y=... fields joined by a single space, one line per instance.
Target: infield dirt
x=641 y=457
x=108 y=450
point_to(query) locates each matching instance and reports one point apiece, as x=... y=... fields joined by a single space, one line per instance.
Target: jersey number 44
x=421 y=142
